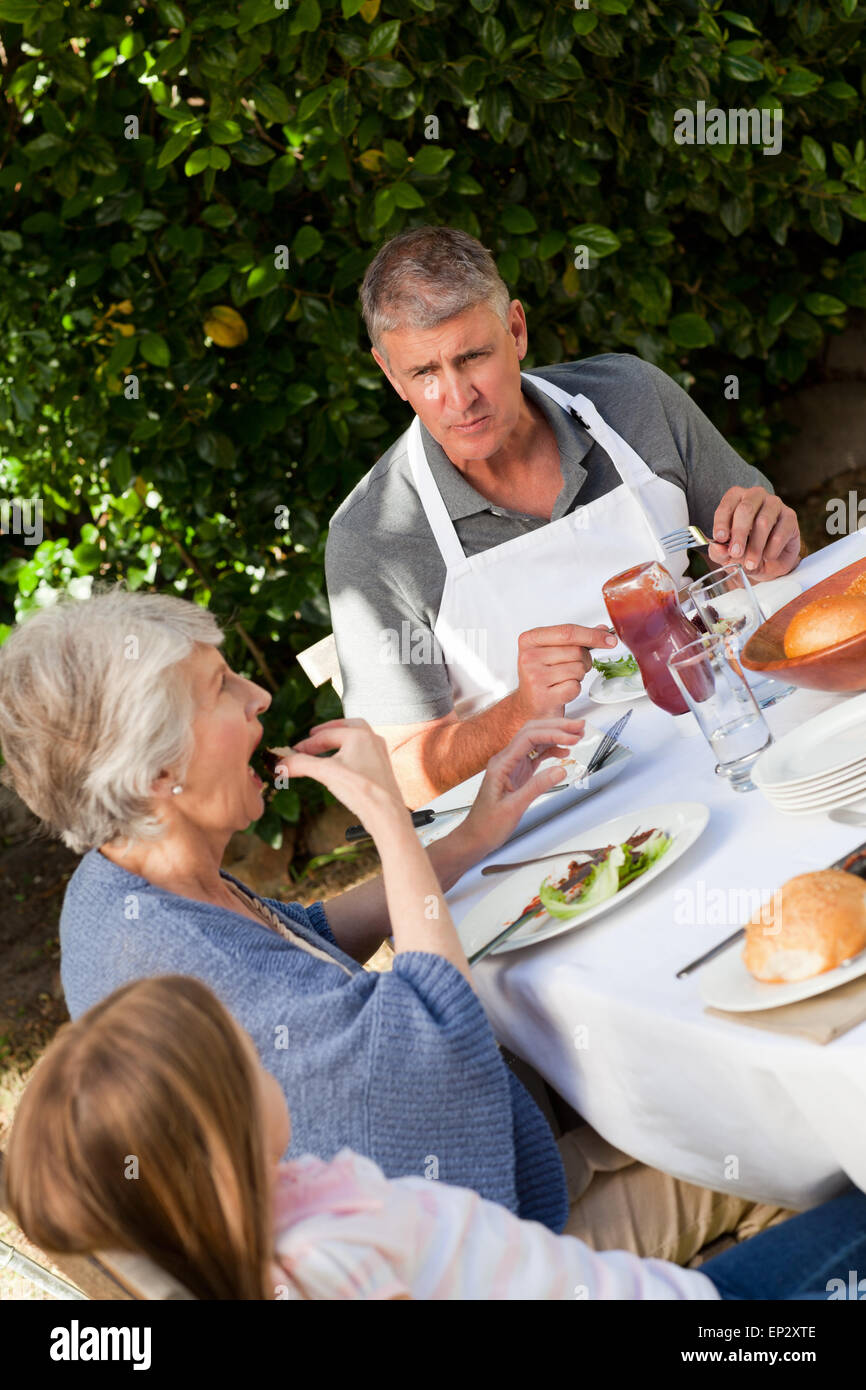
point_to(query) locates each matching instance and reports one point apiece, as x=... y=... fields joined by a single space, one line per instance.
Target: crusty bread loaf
x=815 y=922
x=857 y=587
x=824 y=622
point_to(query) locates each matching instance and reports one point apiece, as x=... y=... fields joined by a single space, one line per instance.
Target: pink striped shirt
x=344 y=1230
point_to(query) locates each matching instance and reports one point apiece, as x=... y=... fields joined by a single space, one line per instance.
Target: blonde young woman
x=160 y=1074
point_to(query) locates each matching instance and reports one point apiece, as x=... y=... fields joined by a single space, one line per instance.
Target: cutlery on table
x=540 y=859
x=854 y=862
x=419 y=818
x=598 y=759
x=686 y=538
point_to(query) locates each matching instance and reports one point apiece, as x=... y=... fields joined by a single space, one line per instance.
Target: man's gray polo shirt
x=382 y=563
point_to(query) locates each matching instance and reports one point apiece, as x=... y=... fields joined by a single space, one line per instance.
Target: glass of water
x=727 y=603
x=709 y=674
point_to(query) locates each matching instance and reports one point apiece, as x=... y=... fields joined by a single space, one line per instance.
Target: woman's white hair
x=94 y=707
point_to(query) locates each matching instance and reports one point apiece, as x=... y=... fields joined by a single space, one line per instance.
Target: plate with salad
x=596 y=870
x=615 y=680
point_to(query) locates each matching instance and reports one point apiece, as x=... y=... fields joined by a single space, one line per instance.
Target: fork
x=605 y=748
x=685 y=539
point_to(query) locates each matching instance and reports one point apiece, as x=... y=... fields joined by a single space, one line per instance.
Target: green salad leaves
x=623 y=666
x=622 y=865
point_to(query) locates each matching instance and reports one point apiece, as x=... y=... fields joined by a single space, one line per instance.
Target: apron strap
x=431 y=500
x=628 y=464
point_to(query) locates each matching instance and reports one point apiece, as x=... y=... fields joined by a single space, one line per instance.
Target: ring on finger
x=532 y=754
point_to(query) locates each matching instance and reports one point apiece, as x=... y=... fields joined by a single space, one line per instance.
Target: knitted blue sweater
x=400 y=1066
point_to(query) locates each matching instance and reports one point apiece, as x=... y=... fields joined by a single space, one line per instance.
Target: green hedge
x=157 y=155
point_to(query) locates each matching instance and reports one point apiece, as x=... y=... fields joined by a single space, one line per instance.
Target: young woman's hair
x=140 y=1130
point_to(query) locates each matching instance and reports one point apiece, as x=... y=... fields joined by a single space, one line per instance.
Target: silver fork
x=685 y=539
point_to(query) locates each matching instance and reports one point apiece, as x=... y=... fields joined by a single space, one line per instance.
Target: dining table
x=600 y=1014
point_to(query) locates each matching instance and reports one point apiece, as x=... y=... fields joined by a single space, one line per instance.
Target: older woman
x=128 y=735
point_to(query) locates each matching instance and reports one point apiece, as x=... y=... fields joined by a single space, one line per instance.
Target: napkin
x=819 y=1019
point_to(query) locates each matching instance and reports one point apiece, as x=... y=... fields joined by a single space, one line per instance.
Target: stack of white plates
x=820 y=765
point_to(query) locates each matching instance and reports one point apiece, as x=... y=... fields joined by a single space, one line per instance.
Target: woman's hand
x=359 y=774
x=513 y=781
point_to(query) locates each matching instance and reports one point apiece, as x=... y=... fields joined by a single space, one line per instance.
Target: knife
x=504 y=935
x=419 y=818
x=852 y=863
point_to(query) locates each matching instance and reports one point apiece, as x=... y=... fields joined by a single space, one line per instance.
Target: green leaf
x=517 y=219
x=735 y=215
x=308 y=18
x=384 y=205
x=780 y=307
x=551 y=244
x=299 y=395
x=821 y=304
x=743 y=69
x=690 y=331
x=383 y=38
x=813 y=154
x=856 y=206
x=841 y=155
x=18 y=11
x=584 y=22
x=215 y=448
x=11 y=241
x=308 y=242
x=174 y=146
x=840 y=91
x=407 y=196
x=495 y=112
x=310 y=103
x=224 y=132
x=387 y=72
x=198 y=161
x=343 y=111
x=286 y=803
x=154 y=349
x=599 y=241
x=430 y=160
x=826 y=219
x=799 y=82
x=270 y=102
x=741 y=21
x=171 y=14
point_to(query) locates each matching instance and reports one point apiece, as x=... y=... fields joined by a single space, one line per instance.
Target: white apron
x=550 y=575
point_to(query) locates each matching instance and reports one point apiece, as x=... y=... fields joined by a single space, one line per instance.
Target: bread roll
x=814 y=923
x=824 y=622
x=857 y=587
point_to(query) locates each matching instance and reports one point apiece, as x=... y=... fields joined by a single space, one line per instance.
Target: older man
x=465 y=570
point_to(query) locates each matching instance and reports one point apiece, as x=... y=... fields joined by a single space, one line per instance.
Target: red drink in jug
x=646 y=615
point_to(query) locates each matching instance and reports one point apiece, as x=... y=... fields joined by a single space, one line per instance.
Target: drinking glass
x=727 y=603
x=709 y=674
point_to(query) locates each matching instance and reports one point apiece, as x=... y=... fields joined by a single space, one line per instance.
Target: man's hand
x=755 y=529
x=552 y=662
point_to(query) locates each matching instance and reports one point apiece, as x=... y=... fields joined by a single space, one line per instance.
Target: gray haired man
x=465 y=570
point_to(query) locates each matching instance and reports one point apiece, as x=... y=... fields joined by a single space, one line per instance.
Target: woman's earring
x=176 y=789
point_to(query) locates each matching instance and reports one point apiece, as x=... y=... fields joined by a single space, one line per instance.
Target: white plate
x=822 y=795
x=545 y=807
x=850 y=799
x=683 y=820
x=615 y=690
x=819 y=787
x=831 y=742
x=727 y=984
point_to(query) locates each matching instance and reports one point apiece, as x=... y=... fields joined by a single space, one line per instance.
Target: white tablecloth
x=599 y=1012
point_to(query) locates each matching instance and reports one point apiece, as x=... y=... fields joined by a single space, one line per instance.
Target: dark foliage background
x=151 y=246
